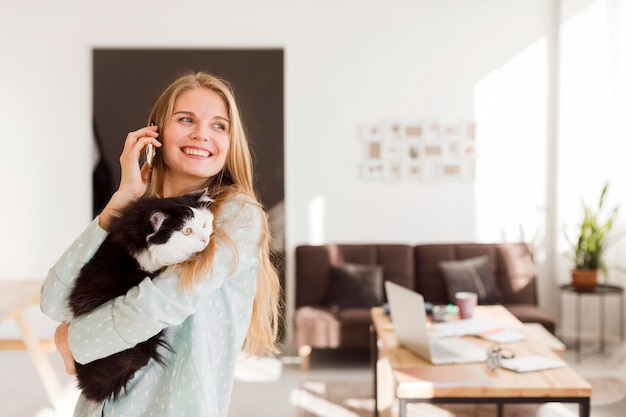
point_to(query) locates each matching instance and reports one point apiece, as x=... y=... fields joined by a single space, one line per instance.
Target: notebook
x=409 y=320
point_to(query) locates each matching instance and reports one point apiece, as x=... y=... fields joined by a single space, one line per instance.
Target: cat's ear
x=156 y=220
x=203 y=197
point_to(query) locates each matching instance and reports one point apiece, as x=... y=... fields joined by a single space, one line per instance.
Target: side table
x=601 y=291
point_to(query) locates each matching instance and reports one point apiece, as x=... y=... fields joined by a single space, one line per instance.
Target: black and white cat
x=147 y=236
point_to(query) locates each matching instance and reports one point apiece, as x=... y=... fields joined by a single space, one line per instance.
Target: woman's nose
x=201 y=133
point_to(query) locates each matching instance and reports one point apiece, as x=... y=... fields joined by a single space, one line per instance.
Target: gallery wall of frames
x=423 y=150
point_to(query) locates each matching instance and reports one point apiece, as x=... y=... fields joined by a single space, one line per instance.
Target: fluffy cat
x=147 y=236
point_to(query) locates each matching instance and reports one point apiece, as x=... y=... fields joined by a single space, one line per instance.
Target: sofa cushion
x=356 y=285
x=474 y=275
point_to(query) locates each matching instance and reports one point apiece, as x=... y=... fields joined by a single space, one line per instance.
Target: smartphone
x=148 y=154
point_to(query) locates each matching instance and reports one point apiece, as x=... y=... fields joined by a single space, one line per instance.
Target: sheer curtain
x=592 y=121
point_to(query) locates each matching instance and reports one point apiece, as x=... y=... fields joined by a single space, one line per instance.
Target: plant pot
x=584 y=280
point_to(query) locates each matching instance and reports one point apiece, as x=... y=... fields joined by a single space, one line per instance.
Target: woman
x=212 y=306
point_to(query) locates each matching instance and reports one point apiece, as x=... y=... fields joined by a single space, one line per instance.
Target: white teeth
x=196 y=152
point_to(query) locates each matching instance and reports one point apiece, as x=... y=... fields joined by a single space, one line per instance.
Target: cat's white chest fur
x=192 y=238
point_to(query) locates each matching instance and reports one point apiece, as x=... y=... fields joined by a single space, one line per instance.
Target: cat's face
x=184 y=239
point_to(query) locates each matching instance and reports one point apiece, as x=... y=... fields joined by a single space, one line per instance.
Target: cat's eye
x=186 y=231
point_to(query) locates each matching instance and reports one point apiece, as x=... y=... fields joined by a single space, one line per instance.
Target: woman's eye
x=187 y=231
x=186 y=119
x=220 y=126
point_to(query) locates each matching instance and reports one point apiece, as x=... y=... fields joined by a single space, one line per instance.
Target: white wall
x=346 y=62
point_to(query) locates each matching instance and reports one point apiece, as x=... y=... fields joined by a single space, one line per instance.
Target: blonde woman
x=213 y=306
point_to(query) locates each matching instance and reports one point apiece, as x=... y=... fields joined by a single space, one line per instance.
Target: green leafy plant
x=594 y=235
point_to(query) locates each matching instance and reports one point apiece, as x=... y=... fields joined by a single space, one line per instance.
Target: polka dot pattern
x=206 y=327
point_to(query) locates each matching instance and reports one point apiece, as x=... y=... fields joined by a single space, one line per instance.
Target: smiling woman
x=212 y=306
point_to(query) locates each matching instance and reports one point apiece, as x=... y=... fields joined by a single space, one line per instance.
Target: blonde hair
x=234 y=178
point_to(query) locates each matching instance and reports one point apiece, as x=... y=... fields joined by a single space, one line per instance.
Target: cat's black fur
x=113 y=270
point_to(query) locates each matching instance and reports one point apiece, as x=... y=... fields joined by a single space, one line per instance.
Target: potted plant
x=594 y=238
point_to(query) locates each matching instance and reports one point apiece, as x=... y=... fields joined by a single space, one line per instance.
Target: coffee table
x=401 y=375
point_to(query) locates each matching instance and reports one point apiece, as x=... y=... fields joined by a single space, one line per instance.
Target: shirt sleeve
x=156 y=304
x=60 y=279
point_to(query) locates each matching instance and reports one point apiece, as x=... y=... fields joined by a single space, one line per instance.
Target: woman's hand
x=134 y=179
x=60 y=340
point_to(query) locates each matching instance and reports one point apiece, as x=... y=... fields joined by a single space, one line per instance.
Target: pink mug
x=466 y=301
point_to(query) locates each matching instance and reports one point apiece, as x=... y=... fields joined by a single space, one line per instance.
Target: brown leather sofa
x=319 y=323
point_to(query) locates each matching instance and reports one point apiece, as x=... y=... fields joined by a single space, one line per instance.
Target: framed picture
x=373 y=170
x=413 y=171
x=393 y=130
x=432 y=131
x=414 y=130
x=469 y=130
x=372 y=131
x=433 y=151
x=451 y=131
x=393 y=150
x=431 y=170
x=452 y=150
x=373 y=150
x=451 y=170
x=468 y=149
x=394 y=170
x=413 y=150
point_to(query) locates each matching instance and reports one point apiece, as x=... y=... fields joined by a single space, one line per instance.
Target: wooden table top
x=16 y=296
x=408 y=367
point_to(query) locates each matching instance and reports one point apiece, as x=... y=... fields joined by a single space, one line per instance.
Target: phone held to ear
x=148 y=154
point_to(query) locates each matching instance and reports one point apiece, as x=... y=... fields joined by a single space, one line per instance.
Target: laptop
x=409 y=320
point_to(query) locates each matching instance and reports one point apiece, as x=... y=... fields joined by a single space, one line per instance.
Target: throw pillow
x=356 y=285
x=474 y=275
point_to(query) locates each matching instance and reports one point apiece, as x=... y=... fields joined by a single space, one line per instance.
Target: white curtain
x=592 y=120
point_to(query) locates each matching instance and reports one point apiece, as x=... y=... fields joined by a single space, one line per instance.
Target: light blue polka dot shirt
x=206 y=325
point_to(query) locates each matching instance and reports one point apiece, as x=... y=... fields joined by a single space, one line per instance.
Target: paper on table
x=531 y=363
x=487 y=329
x=503 y=336
x=466 y=327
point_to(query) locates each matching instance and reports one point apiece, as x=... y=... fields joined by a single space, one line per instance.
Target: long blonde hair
x=234 y=178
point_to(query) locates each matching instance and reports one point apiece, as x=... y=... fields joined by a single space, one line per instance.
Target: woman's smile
x=197 y=152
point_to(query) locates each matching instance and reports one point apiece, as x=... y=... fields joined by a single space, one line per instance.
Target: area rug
x=355 y=399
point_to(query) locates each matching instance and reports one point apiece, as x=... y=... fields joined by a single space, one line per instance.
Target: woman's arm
x=60 y=279
x=159 y=303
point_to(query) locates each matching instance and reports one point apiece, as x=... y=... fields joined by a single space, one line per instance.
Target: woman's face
x=196 y=140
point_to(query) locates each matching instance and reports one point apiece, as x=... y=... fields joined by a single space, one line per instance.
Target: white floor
x=267 y=387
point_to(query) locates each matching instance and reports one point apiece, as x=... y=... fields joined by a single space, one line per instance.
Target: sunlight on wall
x=511 y=136
x=317 y=208
x=584 y=123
